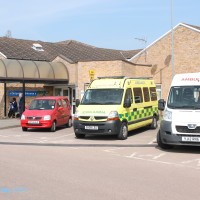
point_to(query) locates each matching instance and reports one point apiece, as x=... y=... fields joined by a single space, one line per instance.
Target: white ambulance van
x=116 y=105
x=181 y=117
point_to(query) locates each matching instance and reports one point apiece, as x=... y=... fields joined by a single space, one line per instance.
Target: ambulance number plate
x=191 y=139
x=91 y=127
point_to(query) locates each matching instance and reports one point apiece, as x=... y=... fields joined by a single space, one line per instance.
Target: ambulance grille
x=95 y=117
x=185 y=129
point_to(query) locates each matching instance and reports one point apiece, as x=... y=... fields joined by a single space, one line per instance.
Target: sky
x=112 y=24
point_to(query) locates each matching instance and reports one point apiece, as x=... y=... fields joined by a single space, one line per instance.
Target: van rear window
x=146 y=94
x=138 y=97
x=153 y=94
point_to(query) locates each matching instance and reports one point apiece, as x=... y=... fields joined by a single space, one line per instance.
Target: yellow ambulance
x=116 y=105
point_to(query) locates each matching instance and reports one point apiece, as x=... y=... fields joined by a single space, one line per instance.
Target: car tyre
x=154 y=123
x=123 y=133
x=53 y=127
x=79 y=135
x=161 y=144
x=24 y=129
x=69 y=123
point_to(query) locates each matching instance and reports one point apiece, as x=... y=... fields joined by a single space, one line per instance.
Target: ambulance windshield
x=102 y=97
x=184 y=97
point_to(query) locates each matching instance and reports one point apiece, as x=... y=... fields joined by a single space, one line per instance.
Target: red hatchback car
x=47 y=112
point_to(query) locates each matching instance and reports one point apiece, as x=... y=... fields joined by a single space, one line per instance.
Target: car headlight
x=167 y=116
x=23 y=117
x=113 y=115
x=47 y=117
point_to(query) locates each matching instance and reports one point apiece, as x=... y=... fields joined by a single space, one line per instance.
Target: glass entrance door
x=67 y=92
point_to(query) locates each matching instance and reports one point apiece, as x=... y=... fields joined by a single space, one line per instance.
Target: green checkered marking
x=139 y=114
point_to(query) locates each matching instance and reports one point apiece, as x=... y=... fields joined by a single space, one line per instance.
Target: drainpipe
x=5 y=98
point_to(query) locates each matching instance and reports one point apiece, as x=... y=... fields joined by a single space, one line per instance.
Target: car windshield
x=184 y=97
x=42 y=104
x=102 y=97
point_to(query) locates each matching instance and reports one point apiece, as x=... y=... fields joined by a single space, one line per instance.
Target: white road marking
x=197 y=161
x=153 y=141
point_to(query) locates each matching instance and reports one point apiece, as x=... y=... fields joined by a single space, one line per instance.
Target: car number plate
x=33 y=122
x=191 y=139
x=91 y=127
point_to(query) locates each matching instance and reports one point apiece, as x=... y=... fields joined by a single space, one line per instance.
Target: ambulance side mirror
x=161 y=104
x=77 y=102
x=127 y=103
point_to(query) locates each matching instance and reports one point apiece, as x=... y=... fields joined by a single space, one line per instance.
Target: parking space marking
x=152 y=141
x=197 y=161
x=155 y=157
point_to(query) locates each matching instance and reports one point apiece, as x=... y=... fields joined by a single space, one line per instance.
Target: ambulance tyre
x=79 y=135
x=154 y=123
x=161 y=144
x=123 y=133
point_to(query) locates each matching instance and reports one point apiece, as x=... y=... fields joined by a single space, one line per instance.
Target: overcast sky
x=110 y=24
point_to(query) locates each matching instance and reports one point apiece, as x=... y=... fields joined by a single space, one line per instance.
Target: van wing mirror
x=77 y=102
x=161 y=104
x=127 y=103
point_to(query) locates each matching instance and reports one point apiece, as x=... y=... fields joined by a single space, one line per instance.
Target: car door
x=66 y=110
x=59 y=111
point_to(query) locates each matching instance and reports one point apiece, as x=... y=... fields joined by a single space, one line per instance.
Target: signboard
x=15 y=93
x=91 y=74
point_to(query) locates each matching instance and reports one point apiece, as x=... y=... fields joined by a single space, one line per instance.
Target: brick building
x=159 y=55
x=82 y=62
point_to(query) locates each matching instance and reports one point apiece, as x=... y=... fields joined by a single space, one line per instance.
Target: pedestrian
x=13 y=108
x=21 y=104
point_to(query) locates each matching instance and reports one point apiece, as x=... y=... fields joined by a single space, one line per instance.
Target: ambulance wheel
x=161 y=144
x=154 y=123
x=79 y=135
x=53 y=127
x=123 y=133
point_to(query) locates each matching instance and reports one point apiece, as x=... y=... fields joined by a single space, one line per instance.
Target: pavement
x=9 y=123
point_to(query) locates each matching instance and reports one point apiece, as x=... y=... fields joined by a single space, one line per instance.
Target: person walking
x=21 y=104
x=13 y=108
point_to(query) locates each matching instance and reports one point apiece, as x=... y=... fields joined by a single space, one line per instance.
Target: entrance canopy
x=33 y=71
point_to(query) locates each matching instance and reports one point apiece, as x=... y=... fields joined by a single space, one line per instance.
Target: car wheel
x=24 y=129
x=69 y=123
x=154 y=123
x=123 y=134
x=161 y=144
x=79 y=135
x=53 y=127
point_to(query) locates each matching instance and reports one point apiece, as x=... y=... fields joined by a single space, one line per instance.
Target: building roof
x=70 y=50
x=192 y=27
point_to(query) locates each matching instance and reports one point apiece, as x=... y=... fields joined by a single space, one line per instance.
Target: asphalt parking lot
x=96 y=167
x=141 y=144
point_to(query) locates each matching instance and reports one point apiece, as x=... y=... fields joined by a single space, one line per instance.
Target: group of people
x=16 y=107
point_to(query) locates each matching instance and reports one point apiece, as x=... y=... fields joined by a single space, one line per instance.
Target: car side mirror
x=77 y=102
x=127 y=103
x=161 y=104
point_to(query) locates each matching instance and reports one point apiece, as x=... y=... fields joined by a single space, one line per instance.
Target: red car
x=47 y=112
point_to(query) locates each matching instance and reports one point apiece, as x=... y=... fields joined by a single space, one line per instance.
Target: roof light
x=37 y=47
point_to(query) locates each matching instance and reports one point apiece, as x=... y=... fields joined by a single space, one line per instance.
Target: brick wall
x=102 y=68
x=71 y=68
x=186 y=57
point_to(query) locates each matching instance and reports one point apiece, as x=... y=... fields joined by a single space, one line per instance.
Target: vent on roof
x=37 y=47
